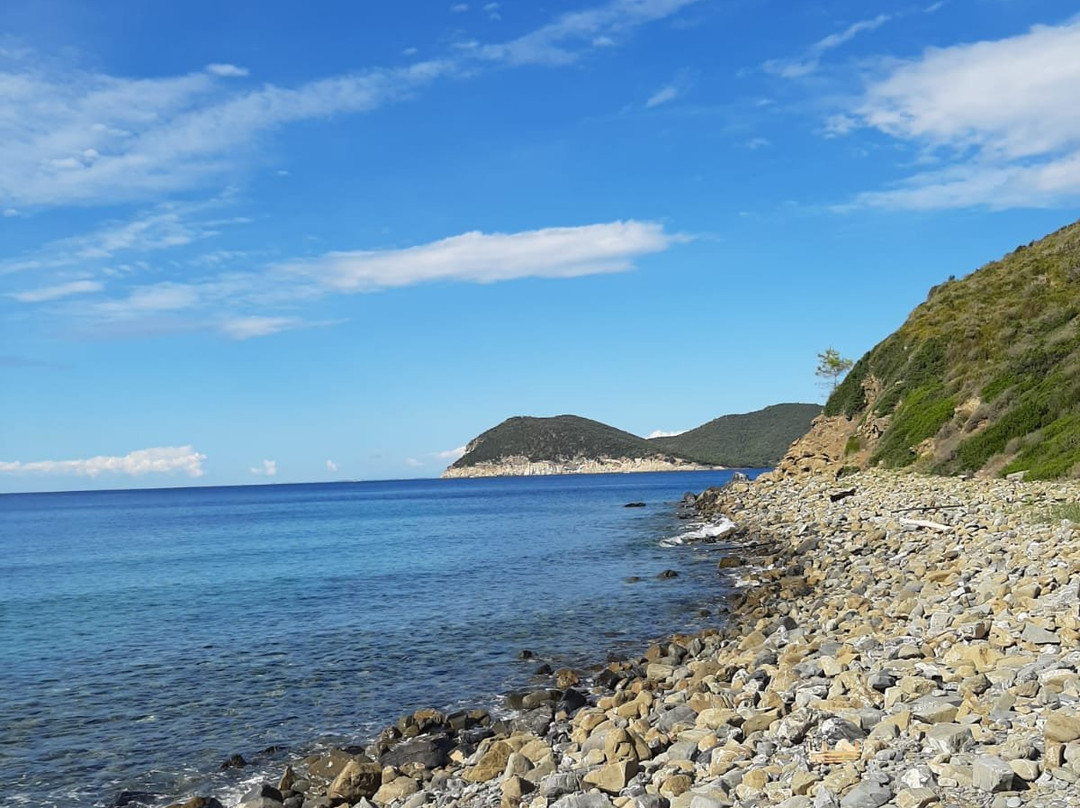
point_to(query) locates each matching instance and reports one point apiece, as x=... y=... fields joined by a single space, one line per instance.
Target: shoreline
x=886 y=623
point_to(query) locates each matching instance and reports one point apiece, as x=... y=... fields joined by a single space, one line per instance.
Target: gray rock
x=679 y=714
x=838 y=729
x=1039 y=635
x=703 y=801
x=649 y=801
x=881 y=681
x=867 y=794
x=556 y=785
x=591 y=799
x=430 y=751
x=992 y=774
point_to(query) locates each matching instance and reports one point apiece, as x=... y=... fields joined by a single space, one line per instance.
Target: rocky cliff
x=983 y=377
x=523 y=467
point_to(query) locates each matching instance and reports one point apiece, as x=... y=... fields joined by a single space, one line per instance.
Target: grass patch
x=918 y=417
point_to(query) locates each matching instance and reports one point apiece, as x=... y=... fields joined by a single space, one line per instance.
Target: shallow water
x=145 y=636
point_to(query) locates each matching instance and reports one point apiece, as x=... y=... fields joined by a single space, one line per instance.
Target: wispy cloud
x=241 y=328
x=84 y=138
x=161 y=460
x=682 y=84
x=227 y=70
x=556 y=252
x=662 y=96
x=46 y=293
x=267 y=469
x=163 y=227
x=331 y=466
x=1001 y=115
x=412 y=462
x=451 y=454
x=261 y=300
x=811 y=60
x=566 y=38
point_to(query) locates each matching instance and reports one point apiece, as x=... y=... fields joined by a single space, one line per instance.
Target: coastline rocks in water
x=866 y=659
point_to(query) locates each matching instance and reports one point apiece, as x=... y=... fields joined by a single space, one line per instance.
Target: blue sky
x=251 y=242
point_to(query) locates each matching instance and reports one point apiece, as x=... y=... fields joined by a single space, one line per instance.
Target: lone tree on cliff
x=831 y=366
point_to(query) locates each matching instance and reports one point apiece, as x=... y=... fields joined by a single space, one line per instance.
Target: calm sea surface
x=145 y=636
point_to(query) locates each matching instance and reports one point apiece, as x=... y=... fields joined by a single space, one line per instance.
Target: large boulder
x=356 y=781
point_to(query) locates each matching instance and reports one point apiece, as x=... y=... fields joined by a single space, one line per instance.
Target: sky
x=255 y=242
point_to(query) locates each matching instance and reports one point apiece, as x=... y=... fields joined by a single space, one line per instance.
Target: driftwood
x=836 y=496
x=927 y=524
x=927 y=508
x=844 y=752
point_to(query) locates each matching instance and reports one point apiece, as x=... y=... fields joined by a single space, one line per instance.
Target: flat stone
x=867 y=794
x=556 y=785
x=613 y=777
x=1062 y=727
x=949 y=738
x=935 y=709
x=589 y=799
x=916 y=798
x=1038 y=635
x=397 y=789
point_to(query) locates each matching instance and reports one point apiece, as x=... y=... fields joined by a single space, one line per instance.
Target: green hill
x=558 y=439
x=983 y=376
x=754 y=439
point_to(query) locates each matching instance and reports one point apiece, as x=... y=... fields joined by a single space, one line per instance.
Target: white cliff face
x=523 y=467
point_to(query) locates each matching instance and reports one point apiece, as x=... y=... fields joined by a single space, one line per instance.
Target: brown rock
x=356 y=781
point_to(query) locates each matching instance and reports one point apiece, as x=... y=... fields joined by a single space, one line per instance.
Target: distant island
x=570 y=444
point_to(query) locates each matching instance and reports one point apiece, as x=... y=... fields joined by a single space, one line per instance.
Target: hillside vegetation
x=983 y=376
x=755 y=439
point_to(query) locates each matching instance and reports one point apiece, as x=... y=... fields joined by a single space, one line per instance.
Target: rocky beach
x=896 y=640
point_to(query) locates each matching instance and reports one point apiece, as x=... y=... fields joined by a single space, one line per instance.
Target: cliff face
x=523 y=467
x=983 y=377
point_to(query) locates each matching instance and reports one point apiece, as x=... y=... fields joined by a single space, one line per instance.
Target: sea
x=148 y=635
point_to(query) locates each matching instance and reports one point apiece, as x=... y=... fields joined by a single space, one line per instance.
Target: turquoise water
x=145 y=636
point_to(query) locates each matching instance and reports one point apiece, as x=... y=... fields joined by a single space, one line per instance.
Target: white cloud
x=227 y=70
x=659 y=433
x=662 y=96
x=162 y=227
x=459 y=8
x=555 y=252
x=47 y=293
x=331 y=466
x=412 y=462
x=451 y=454
x=1003 y=114
x=267 y=469
x=758 y=143
x=10 y=212
x=804 y=66
x=162 y=460
x=492 y=10
x=81 y=138
x=89 y=138
x=242 y=328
